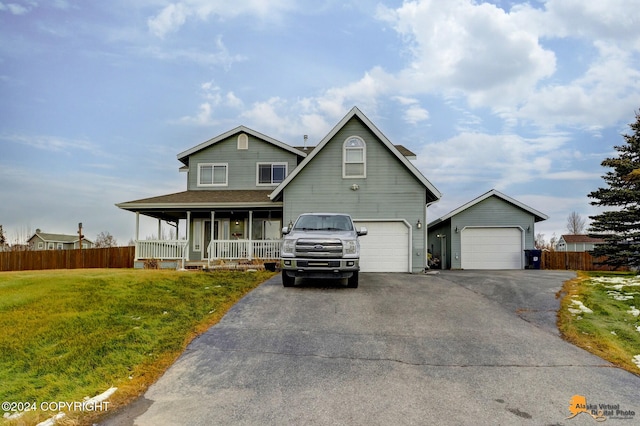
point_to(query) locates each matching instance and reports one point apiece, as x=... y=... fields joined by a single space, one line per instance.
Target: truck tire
x=352 y=282
x=287 y=281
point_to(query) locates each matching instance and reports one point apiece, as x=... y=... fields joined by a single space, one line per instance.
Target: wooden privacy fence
x=112 y=257
x=573 y=260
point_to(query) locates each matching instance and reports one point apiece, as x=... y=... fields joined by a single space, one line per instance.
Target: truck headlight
x=288 y=247
x=350 y=247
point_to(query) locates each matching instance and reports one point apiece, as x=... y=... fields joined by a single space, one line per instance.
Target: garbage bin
x=533 y=259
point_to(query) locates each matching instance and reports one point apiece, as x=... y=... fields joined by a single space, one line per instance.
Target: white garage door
x=385 y=248
x=491 y=248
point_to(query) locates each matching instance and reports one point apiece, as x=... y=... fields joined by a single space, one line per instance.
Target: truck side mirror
x=362 y=231
x=285 y=230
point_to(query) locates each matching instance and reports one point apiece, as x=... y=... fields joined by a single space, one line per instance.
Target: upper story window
x=243 y=141
x=354 y=158
x=271 y=173
x=213 y=174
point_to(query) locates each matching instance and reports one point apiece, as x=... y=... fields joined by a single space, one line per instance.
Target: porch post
x=213 y=217
x=135 y=256
x=188 y=233
x=250 y=235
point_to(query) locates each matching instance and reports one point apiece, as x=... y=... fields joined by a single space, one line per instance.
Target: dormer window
x=354 y=158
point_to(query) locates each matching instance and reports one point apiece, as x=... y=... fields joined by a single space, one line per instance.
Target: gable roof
x=435 y=195
x=240 y=129
x=580 y=238
x=57 y=238
x=493 y=193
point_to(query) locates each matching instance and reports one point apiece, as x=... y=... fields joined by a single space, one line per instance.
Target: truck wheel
x=353 y=281
x=287 y=281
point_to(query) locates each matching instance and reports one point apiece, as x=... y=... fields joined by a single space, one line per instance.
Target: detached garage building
x=490 y=232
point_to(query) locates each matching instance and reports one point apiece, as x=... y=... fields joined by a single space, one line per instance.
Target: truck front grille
x=318 y=248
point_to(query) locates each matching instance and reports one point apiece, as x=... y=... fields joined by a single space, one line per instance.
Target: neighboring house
x=577 y=243
x=243 y=187
x=46 y=241
x=489 y=232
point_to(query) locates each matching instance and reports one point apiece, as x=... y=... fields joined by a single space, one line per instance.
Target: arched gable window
x=354 y=158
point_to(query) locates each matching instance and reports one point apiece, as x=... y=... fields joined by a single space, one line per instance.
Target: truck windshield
x=323 y=223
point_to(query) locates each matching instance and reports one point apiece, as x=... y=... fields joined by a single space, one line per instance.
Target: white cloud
x=461 y=47
x=493 y=161
x=611 y=20
x=607 y=91
x=220 y=57
x=170 y=19
x=52 y=143
x=175 y=15
x=13 y=8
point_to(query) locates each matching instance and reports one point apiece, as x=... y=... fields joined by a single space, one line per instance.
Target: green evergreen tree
x=620 y=227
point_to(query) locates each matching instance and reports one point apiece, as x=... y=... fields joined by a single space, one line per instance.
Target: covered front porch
x=208 y=234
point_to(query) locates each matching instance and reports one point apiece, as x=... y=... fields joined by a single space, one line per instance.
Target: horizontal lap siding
x=389 y=191
x=241 y=163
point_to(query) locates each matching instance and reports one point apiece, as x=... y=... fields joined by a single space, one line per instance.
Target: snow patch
x=619 y=296
x=636 y=360
x=580 y=308
x=634 y=311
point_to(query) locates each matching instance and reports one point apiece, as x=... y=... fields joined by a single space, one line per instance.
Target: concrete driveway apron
x=449 y=348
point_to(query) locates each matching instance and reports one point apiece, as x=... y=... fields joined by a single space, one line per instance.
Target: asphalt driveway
x=459 y=347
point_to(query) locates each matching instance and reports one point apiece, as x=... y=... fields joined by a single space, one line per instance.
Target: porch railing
x=244 y=249
x=161 y=249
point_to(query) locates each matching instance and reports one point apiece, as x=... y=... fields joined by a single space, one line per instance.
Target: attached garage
x=386 y=246
x=492 y=248
x=489 y=232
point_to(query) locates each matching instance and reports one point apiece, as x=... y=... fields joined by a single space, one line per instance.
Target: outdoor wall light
x=456 y=229
x=419 y=224
x=237 y=222
x=355 y=187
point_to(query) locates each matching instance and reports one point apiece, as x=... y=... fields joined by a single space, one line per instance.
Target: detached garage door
x=385 y=248
x=491 y=248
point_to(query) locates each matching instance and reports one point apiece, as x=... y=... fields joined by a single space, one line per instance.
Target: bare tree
x=105 y=239
x=542 y=244
x=575 y=224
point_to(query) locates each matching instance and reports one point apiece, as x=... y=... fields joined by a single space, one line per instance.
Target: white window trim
x=344 y=159
x=272 y=183
x=226 y=176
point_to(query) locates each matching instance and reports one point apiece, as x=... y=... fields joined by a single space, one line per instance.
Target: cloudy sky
x=97 y=97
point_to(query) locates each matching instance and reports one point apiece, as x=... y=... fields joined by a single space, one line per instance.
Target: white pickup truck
x=321 y=245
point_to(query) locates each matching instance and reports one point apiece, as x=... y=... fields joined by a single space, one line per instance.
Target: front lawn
x=600 y=312
x=70 y=334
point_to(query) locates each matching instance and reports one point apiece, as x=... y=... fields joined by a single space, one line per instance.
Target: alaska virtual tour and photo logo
x=599 y=412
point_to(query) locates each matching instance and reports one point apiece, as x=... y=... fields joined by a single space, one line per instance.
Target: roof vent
x=305 y=137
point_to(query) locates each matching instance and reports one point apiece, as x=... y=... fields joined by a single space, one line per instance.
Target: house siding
x=389 y=191
x=242 y=169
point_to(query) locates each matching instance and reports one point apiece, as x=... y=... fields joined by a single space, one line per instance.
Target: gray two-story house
x=243 y=186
